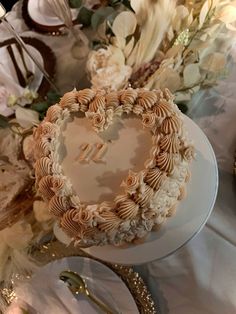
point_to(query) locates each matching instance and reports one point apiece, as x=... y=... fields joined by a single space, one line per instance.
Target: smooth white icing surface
x=128 y=147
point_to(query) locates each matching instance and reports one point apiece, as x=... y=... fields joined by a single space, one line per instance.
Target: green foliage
x=52 y=97
x=111 y=17
x=100 y=15
x=75 y=3
x=3 y=122
x=88 y=17
x=42 y=115
x=84 y=16
x=42 y=106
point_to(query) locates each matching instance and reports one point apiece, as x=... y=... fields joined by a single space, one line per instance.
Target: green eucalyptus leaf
x=84 y=16
x=75 y=3
x=40 y=106
x=53 y=97
x=4 y=123
x=42 y=115
x=111 y=17
x=100 y=15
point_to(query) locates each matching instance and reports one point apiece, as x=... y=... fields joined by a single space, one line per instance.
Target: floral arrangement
x=182 y=45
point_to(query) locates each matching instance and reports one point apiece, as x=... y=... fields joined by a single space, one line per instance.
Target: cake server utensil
x=29 y=74
x=19 y=74
x=77 y=285
x=17 y=37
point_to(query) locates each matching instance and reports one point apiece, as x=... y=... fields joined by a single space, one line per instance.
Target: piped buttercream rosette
x=149 y=197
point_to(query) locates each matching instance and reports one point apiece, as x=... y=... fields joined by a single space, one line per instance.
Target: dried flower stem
x=208 y=18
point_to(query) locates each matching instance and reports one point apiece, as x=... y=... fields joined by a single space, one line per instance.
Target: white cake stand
x=192 y=213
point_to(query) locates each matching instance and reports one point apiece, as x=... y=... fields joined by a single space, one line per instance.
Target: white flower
x=107 y=68
x=4 y=96
x=11 y=100
x=27 y=97
x=111 y=78
x=30 y=94
x=97 y=59
x=227 y=15
x=102 y=58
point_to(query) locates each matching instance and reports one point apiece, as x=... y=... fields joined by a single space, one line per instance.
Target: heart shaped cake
x=112 y=166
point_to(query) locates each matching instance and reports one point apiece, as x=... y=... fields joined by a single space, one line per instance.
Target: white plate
x=41 y=12
x=46 y=292
x=9 y=79
x=192 y=213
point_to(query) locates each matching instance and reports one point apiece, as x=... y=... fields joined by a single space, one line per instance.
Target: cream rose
x=148 y=120
x=132 y=182
x=83 y=217
x=188 y=153
x=107 y=69
x=98 y=121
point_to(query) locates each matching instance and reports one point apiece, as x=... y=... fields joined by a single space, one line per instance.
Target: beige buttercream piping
x=126 y=209
x=85 y=150
x=99 y=153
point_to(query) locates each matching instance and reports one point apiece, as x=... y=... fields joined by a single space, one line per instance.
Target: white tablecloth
x=200 y=277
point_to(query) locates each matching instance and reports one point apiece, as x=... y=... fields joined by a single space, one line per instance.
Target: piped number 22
x=92 y=152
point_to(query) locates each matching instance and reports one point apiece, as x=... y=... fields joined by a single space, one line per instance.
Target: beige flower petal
x=117 y=56
x=168 y=78
x=101 y=30
x=124 y=24
x=191 y=74
x=174 y=51
x=26 y=117
x=136 y=5
x=227 y=14
x=203 y=13
x=129 y=47
x=230 y=27
x=214 y=62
